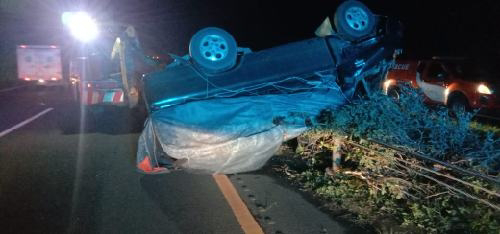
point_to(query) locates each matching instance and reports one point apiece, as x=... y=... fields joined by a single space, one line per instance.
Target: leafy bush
x=373 y=181
x=411 y=124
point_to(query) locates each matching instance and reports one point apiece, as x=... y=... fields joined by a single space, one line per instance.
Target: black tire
x=353 y=20
x=213 y=49
x=394 y=93
x=75 y=94
x=458 y=105
x=138 y=116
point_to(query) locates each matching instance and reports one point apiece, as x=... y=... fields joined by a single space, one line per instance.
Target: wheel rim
x=357 y=18
x=213 y=48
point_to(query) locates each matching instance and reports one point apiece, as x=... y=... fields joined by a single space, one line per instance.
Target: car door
x=433 y=81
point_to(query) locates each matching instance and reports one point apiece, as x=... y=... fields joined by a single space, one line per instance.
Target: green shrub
x=373 y=182
x=412 y=124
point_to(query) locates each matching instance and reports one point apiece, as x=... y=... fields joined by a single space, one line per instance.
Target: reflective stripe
x=118 y=96
x=95 y=98
x=108 y=97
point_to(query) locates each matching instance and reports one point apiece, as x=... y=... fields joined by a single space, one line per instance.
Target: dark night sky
x=432 y=27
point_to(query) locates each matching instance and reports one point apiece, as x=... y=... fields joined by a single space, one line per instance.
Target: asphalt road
x=59 y=174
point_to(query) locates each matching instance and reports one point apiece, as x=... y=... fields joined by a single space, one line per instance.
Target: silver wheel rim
x=213 y=48
x=357 y=18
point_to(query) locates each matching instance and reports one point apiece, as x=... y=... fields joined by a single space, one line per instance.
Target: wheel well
x=393 y=87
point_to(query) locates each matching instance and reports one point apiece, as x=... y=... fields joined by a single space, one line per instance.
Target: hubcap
x=357 y=18
x=213 y=47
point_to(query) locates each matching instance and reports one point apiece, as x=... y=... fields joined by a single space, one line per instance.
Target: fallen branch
x=371 y=182
x=453 y=178
x=454 y=189
x=431 y=171
x=437 y=194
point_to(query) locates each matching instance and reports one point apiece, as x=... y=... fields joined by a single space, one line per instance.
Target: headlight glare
x=483 y=89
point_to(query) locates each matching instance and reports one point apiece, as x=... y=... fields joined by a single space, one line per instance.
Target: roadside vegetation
x=400 y=166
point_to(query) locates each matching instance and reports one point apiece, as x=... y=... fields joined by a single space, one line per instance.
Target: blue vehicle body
x=287 y=68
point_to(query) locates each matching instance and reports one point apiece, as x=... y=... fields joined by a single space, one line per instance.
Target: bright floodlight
x=81 y=25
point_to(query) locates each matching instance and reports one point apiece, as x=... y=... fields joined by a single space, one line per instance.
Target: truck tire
x=394 y=93
x=353 y=20
x=458 y=104
x=137 y=115
x=213 y=49
x=75 y=94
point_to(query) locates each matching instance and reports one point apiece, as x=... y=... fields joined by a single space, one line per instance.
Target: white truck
x=40 y=64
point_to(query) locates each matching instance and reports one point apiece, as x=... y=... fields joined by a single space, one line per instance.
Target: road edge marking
x=29 y=120
x=240 y=210
x=12 y=88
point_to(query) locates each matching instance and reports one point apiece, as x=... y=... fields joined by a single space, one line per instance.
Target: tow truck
x=103 y=79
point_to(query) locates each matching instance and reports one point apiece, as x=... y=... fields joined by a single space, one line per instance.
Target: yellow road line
x=240 y=210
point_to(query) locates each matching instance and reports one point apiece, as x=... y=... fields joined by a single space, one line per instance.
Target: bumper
x=45 y=82
x=488 y=104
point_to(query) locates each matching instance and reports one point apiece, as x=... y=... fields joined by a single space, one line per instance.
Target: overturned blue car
x=226 y=109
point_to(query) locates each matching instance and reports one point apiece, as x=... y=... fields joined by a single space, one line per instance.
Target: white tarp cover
x=229 y=135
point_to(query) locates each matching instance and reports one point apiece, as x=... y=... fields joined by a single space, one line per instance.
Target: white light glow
x=81 y=25
x=483 y=89
x=27 y=79
x=41 y=81
x=387 y=83
x=53 y=78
